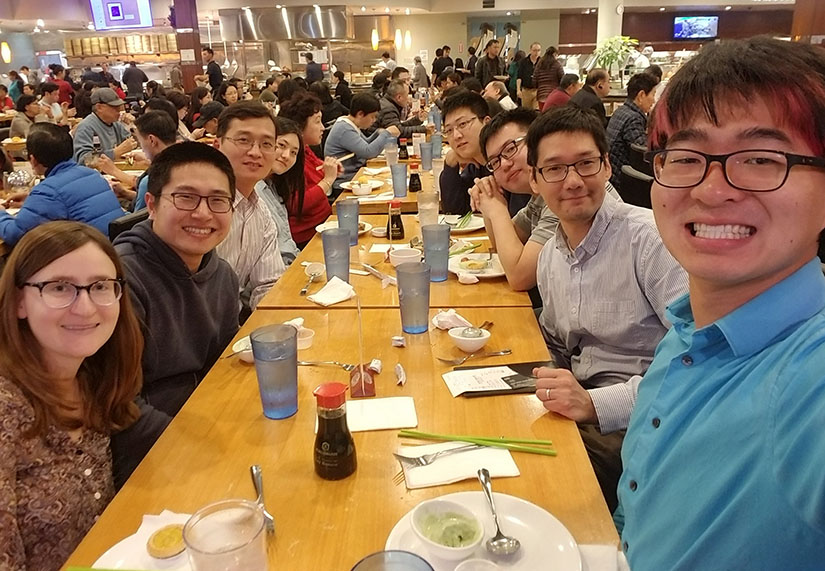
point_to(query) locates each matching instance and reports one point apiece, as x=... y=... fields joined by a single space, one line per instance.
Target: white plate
x=494 y=270
x=545 y=542
x=12 y=211
x=332 y=224
x=476 y=223
x=130 y=553
x=373 y=184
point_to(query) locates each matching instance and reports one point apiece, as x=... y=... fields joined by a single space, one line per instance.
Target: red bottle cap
x=413 y=166
x=331 y=395
x=395 y=203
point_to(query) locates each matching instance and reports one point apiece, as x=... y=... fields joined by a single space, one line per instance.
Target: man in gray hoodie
x=184 y=294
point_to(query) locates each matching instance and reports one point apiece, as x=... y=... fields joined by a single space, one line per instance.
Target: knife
x=380 y=275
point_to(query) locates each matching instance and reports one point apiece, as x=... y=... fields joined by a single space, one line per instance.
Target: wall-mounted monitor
x=695 y=27
x=121 y=14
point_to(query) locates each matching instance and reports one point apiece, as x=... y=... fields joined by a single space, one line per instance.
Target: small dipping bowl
x=305 y=337
x=360 y=189
x=476 y=565
x=437 y=517
x=379 y=231
x=466 y=343
x=404 y=255
x=243 y=347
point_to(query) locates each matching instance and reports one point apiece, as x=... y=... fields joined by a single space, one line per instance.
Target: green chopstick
x=464 y=220
x=513 y=444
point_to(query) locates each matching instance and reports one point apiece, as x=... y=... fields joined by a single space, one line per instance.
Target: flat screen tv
x=695 y=27
x=121 y=14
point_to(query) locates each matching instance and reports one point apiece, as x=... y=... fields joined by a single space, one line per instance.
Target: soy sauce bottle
x=415 y=179
x=395 y=226
x=334 y=448
x=403 y=152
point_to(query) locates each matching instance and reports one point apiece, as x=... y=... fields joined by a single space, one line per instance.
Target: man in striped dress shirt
x=247 y=136
x=605 y=280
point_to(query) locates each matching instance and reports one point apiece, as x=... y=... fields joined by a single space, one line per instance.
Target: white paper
x=474 y=380
x=380 y=248
x=380 y=414
x=455 y=467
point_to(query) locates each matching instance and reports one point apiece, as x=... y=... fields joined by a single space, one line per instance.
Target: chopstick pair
x=342 y=158
x=531 y=446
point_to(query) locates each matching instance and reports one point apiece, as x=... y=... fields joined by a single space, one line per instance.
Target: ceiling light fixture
x=509 y=13
x=662 y=9
x=407 y=40
x=387 y=10
x=374 y=39
x=40 y=23
x=407 y=11
x=90 y=26
x=398 y=39
x=727 y=7
x=5 y=52
x=363 y=8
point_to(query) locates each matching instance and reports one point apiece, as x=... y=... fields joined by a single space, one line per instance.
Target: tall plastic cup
x=275 y=348
x=399 y=180
x=347 y=211
x=414 y=296
x=336 y=253
x=436 y=250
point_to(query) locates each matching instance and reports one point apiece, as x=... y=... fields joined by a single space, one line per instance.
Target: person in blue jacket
x=69 y=191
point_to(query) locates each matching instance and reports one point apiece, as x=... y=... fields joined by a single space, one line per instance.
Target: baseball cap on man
x=108 y=96
x=209 y=111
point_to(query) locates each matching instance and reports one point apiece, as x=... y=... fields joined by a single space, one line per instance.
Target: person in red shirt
x=568 y=85
x=305 y=109
x=115 y=85
x=5 y=101
x=65 y=88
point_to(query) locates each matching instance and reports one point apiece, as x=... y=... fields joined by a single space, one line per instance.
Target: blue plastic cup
x=414 y=296
x=436 y=250
x=427 y=156
x=393 y=560
x=399 y=180
x=275 y=348
x=347 y=211
x=336 y=253
x=435 y=117
x=437 y=141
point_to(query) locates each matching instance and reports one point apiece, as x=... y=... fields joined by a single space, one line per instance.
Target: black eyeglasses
x=583 y=167
x=59 y=294
x=507 y=152
x=190 y=202
x=246 y=144
x=755 y=170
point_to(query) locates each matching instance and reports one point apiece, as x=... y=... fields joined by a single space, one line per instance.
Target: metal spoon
x=313 y=271
x=257 y=480
x=475 y=332
x=499 y=544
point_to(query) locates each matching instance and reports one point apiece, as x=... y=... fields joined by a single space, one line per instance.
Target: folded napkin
x=380 y=414
x=136 y=558
x=336 y=291
x=381 y=197
x=467 y=278
x=376 y=171
x=297 y=323
x=449 y=319
x=602 y=558
x=455 y=467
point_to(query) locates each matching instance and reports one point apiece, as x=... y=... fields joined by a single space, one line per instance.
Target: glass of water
x=227 y=536
x=275 y=348
x=427 y=208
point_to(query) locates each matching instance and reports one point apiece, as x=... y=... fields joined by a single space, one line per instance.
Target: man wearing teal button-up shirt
x=723 y=455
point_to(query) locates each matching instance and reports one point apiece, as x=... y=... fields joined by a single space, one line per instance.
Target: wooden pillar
x=808 y=20
x=189 y=42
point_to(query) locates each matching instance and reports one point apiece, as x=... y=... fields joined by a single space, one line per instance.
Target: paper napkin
x=376 y=171
x=603 y=558
x=455 y=467
x=382 y=197
x=380 y=414
x=449 y=319
x=467 y=278
x=336 y=291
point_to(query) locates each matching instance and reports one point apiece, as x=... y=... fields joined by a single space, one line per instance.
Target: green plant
x=614 y=50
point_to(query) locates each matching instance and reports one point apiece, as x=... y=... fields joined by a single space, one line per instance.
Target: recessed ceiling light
x=662 y=9
x=363 y=8
x=387 y=9
x=509 y=13
x=407 y=11
x=727 y=7
x=278 y=6
x=40 y=23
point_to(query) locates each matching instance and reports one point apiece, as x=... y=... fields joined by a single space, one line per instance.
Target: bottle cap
x=331 y=395
x=413 y=166
x=395 y=203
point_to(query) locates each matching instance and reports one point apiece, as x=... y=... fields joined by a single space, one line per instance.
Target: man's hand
x=486 y=195
x=451 y=159
x=422 y=114
x=15 y=200
x=198 y=133
x=121 y=191
x=123 y=148
x=394 y=131
x=561 y=393
x=104 y=164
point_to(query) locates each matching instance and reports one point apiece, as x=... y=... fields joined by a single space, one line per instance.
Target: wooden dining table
x=487 y=292
x=206 y=452
x=368 y=203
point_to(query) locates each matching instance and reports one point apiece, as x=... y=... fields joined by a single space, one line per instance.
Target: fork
x=427 y=459
x=346 y=366
x=257 y=480
x=461 y=360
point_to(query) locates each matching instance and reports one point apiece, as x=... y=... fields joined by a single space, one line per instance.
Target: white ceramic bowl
x=243 y=347
x=468 y=344
x=404 y=256
x=476 y=565
x=359 y=189
x=423 y=515
x=305 y=337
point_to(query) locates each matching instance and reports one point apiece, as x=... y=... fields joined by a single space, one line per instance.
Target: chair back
x=125 y=222
x=635 y=187
x=637 y=159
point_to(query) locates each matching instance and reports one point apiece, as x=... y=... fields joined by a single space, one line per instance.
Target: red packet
x=361 y=382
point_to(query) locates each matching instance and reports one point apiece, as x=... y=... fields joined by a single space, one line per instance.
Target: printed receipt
x=478 y=380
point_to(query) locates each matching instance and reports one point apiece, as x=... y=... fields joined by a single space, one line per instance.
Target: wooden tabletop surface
x=450 y=293
x=206 y=452
x=409 y=203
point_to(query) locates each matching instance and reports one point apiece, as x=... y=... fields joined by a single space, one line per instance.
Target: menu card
x=514 y=378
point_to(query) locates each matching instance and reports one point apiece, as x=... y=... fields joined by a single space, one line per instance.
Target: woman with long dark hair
x=331 y=108
x=547 y=74
x=199 y=97
x=70 y=350
x=227 y=94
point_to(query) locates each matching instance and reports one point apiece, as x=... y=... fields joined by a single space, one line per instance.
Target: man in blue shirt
x=723 y=455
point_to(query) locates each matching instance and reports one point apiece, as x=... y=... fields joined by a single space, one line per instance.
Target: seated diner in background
x=69 y=372
x=114 y=139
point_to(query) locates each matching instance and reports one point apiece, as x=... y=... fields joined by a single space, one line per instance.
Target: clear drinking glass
x=347 y=211
x=275 y=348
x=436 y=250
x=427 y=208
x=426 y=156
x=336 y=253
x=227 y=536
x=414 y=296
x=391 y=153
x=399 y=180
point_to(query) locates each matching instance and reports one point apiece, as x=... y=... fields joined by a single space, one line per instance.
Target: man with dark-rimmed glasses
x=605 y=280
x=184 y=295
x=723 y=455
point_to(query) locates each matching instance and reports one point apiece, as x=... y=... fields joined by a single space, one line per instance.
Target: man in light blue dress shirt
x=723 y=454
x=605 y=280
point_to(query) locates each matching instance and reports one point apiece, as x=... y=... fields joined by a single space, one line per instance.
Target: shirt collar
x=253 y=197
x=597 y=229
x=793 y=300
